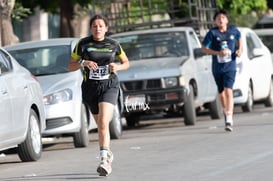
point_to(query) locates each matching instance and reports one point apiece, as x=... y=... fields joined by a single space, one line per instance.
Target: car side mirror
x=198 y=53
x=257 y=52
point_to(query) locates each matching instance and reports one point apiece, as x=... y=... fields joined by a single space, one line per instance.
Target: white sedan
x=21 y=109
x=254 y=73
x=66 y=113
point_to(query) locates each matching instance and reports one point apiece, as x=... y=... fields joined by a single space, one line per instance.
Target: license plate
x=136 y=99
x=135 y=102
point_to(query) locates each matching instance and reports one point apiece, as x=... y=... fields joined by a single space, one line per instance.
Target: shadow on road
x=64 y=176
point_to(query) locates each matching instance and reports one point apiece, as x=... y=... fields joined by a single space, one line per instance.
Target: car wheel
x=248 y=106
x=269 y=100
x=31 y=148
x=115 y=126
x=132 y=120
x=189 y=109
x=215 y=108
x=81 y=138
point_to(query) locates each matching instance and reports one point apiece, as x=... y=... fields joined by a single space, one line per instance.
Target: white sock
x=229 y=118
x=103 y=154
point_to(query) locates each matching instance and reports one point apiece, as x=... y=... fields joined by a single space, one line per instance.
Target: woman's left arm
x=124 y=64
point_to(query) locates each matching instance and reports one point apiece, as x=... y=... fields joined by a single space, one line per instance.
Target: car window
x=256 y=40
x=268 y=41
x=193 y=41
x=252 y=42
x=5 y=62
x=144 y=46
x=44 y=60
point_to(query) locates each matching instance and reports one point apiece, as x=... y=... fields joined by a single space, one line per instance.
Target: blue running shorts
x=224 y=80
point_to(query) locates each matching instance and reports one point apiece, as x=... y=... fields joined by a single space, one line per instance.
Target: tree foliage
x=20 y=12
x=242 y=7
x=49 y=5
x=68 y=10
x=137 y=8
x=243 y=12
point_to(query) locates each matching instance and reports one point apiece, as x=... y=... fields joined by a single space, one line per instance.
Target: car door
x=205 y=83
x=18 y=88
x=6 y=108
x=260 y=66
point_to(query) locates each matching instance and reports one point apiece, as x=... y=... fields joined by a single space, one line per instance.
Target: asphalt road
x=162 y=150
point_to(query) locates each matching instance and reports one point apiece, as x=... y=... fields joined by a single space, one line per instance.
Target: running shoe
x=105 y=164
x=104 y=168
x=110 y=156
x=228 y=127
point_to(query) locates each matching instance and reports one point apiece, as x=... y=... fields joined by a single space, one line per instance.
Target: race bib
x=224 y=59
x=101 y=73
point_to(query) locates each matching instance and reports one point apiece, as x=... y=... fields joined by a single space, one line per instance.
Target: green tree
x=68 y=10
x=243 y=12
x=270 y=4
x=7 y=36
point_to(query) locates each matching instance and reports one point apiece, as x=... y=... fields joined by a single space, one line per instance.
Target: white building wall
x=43 y=26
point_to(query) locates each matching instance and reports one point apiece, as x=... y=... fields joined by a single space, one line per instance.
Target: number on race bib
x=101 y=73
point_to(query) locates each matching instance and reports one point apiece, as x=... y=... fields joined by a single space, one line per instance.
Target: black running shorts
x=96 y=91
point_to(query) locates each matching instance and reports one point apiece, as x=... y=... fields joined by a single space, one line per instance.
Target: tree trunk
x=66 y=16
x=6 y=30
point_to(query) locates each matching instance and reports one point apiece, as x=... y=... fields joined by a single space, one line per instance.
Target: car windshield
x=268 y=41
x=44 y=60
x=155 y=45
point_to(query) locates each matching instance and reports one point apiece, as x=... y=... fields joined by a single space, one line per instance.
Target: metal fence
x=127 y=15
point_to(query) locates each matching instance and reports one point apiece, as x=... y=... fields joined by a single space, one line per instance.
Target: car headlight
x=170 y=82
x=57 y=97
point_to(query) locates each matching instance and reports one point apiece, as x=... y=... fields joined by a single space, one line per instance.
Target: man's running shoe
x=228 y=127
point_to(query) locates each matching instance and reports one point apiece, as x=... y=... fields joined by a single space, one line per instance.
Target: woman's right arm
x=73 y=65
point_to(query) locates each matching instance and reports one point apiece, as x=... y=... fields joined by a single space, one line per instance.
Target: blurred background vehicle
x=21 y=109
x=66 y=113
x=264 y=29
x=254 y=73
x=266 y=21
x=168 y=73
x=266 y=35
